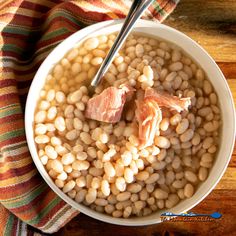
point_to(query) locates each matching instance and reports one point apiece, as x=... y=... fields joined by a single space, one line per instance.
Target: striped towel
x=30 y=29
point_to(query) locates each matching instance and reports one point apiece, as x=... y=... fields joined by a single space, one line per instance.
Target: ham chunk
x=148 y=115
x=108 y=106
x=168 y=101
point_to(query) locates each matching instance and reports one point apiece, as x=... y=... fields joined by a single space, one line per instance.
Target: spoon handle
x=136 y=10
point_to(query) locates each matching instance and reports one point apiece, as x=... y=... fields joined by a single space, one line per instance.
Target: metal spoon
x=136 y=10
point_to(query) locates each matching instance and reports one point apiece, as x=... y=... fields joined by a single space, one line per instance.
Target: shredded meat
x=168 y=101
x=148 y=115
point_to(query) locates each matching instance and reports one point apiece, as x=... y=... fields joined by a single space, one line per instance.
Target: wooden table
x=212 y=23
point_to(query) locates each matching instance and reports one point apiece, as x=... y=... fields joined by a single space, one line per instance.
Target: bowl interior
x=199 y=55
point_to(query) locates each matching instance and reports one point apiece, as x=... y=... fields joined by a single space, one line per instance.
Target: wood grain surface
x=212 y=23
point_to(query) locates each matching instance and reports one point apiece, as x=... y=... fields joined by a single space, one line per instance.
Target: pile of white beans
x=99 y=164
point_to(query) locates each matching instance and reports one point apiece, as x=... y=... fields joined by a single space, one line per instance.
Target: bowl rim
x=80 y=36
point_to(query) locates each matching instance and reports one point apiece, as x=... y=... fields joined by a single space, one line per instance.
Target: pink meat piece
x=149 y=116
x=165 y=100
x=108 y=106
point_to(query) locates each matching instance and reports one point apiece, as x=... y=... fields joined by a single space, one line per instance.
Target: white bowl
x=199 y=55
